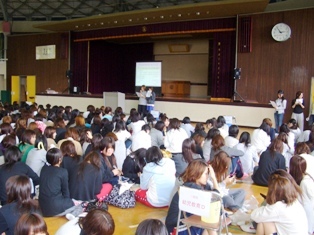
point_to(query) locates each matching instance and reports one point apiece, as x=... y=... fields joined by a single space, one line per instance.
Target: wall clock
x=281 y=32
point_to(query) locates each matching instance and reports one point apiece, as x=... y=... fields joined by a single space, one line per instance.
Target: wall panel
x=278 y=65
x=22 y=60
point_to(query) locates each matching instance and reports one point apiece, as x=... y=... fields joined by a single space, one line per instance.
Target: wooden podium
x=175 y=88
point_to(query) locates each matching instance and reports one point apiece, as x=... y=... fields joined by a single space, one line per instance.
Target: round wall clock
x=281 y=32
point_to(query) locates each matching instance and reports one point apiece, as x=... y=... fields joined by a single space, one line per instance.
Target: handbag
x=122 y=200
x=95 y=204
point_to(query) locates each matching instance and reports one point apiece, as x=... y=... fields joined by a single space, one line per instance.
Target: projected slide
x=148 y=74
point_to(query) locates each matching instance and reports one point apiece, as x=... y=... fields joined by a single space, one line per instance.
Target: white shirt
x=224 y=130
x=281 y=105
x=174 y=139
x=309 y=163
x=260 y=140
x=250 y=156
x=141 y=140
x=123 y=135
x=231 y=141
x=288 y=219
x=136 y=127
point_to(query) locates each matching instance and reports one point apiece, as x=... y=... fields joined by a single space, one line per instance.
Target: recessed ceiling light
x=130 y=20
x=170 y=16
x=115 y=22
x=88 y=25
x=189 y=13
x=102 y=23
x=179 y=15
x=161 y=17
x=145 y=18
x=207 y=12
x=76 y=26
x=198 y=13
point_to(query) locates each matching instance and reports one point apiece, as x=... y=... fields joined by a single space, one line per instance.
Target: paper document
x=273 y=103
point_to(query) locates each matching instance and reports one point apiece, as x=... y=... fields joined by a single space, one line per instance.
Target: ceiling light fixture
x=198 y=13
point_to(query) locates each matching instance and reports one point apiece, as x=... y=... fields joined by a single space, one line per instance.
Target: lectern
x=114 y=100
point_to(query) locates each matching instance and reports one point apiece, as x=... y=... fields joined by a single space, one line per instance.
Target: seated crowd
x=76 y=157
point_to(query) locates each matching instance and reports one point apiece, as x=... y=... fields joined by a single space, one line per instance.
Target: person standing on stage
x=142 y=102
x=281 y=104
x=298 y=106
x=150 y=97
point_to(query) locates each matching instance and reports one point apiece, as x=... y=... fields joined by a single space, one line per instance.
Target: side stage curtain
x=222 y=82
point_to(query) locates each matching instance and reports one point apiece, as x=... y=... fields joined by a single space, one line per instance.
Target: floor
x=126 y=220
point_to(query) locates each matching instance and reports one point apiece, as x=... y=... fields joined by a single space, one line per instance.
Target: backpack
x=152 y=98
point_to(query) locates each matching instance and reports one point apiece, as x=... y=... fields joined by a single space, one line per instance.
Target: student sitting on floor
x=283 y=213
x=157 y=180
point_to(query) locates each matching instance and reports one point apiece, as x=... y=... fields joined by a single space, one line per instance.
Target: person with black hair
x=222 y=126
x=54 y=196
x=14 y=166
x=270 y=161
x=133 y=165
x=157 y=180
x=231 y=140
x=142 y=102
x=187 y=126
x=85 y=181
x=156 y=134
x=290 y=143
x=281 y=104
x=261 y=138
x=36 y=157
x=152 y=227
x=250 y=157
x=298 y=105
x=293 y=127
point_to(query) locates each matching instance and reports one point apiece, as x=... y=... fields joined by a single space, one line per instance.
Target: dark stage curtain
x=223 y=64
x=79 y=65
x=111 y=66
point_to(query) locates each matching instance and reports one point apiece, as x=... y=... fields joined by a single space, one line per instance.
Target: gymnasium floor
x=126 y=220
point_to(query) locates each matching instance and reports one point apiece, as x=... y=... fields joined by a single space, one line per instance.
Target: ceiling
x=77 y=15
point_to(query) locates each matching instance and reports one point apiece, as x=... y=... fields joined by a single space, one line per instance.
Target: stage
x=199 y=109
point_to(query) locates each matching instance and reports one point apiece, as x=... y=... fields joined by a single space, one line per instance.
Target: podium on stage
x=114 y=100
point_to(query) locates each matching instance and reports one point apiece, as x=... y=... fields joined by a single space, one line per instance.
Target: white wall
x=189 y=66
x=249 y=116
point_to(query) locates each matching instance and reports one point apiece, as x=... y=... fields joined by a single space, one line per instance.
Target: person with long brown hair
x=188 y=155
x=19 y=201
x=218 y=144
x=283 y=213
x=233 y=198
x=195 y=176
x=270 y=161
x=73 y=135
x=297 y=170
